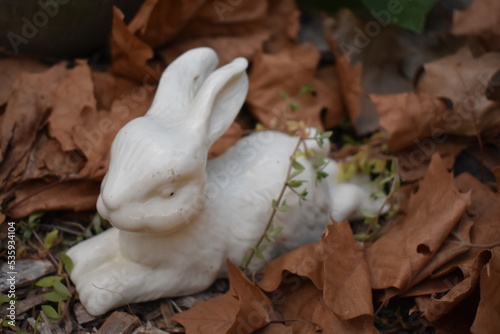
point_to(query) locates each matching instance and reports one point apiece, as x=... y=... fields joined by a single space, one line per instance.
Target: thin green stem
x=275 y=209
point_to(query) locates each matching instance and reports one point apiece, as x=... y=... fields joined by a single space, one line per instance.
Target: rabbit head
x=157 y=169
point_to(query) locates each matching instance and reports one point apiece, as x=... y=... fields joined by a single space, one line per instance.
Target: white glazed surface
x=177 y=218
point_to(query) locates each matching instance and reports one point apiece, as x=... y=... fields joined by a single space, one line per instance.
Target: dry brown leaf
x=455 y=270
x=414 y=160
x=10 y=69
x=338 y=271
x=283 y=22
x=52 y=133
x=129 y=54
x=481 y=20
x=161 y=30
x=228 y=139
x=26 y=112
x=453 y=311
x=289 y=71
x=39 y=195
x=464 y=80
x=350 y=76
x=141 y=19
x=233 y=30
x=243 y=309
x=488 y=312
x=434 y=210
x=409 y=117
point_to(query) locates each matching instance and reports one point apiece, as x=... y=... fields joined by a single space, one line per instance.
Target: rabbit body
x=177 y=218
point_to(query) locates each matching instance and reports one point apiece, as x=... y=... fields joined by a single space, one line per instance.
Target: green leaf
x=294 y=106
x=326 y=134
x=294 y=174
x=50 y=312
x=62 y=290
x=50 y=239
x=368 y=214
x=259 y=251
x=307 y=88
x=284 y=207
x=67 y=262
x=53 y=297
x=320 y=175
x=409 y=14
x=276 y=231
x=303 y=194
x=97 y=223
x=35 y=216
x=4 y=299
x=49 y=281
x=274 y=204
x=297 y=165
x=361 y=237
x=284 y=95
x=295 y=183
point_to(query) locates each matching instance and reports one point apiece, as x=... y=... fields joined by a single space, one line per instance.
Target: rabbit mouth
x=147 y=217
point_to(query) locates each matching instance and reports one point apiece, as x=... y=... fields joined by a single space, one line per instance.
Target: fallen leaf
x=159 y=30
x=283 y=23
x=228 y=139
x=446 y=312
x=287 y=73
x=26 y=112
x=231 y=29
x=481 y=20
x=488 y=312
x=409 y=117
x=338 y=271
x=464 y=80
x=243 y=309
x=129 y=54
x=414 y=161
x=44 y=196
x=10 y=69
x=401 y=253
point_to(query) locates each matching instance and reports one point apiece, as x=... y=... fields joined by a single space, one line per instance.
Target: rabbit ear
x=220 y=98
x=180 y=82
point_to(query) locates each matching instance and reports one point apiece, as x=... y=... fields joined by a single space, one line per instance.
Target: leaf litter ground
x=433 y=266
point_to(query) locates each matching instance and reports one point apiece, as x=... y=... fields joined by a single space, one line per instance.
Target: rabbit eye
x=171 y=194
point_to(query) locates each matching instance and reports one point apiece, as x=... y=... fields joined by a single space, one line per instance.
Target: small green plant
x=58 y=292
x=371 y=161
x=26 y=228
x=292 y=183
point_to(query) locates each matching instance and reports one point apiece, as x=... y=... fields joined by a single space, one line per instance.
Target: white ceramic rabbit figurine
x=177 y=218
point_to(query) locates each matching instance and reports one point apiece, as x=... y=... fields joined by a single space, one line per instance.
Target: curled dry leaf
x=233 y=30
x=405 y=249
x=409 y=117
x=55 y=141
x=455 y=270
x=289 y=71
x=464 y=80
x=243 y=309
x=488 y=312
x=319 y=288
x=283 y=23
x=129 y=54
x=336 y=295
x=481 y=20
